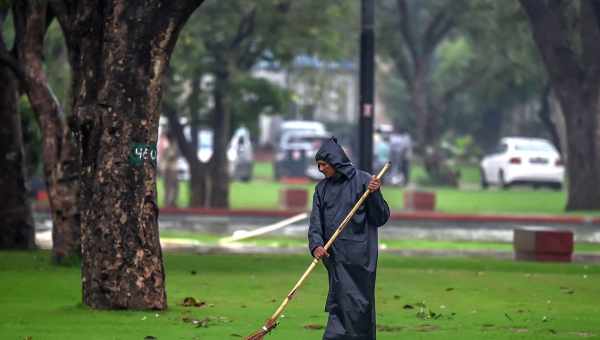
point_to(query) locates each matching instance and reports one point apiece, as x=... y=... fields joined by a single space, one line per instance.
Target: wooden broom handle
x=337 y=232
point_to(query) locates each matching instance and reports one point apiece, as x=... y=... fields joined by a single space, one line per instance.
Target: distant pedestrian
x=401 y=155
x=382 y=151
x=168 y=168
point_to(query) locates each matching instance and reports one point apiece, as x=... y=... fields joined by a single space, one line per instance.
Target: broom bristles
x=260 y=334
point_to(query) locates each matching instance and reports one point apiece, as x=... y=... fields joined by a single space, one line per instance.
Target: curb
x=395 y=216
x=398 y=216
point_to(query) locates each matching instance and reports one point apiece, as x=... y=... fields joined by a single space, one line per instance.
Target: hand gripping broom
x=272 y=321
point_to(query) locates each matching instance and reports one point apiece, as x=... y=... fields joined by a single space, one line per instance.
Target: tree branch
x=245 y=28
x=461 y=86
x=549 y=32
x=63 y=12
x=590 y=35
x=405 y=28
x=9 y=60
x=402 y=64
x=440 y=26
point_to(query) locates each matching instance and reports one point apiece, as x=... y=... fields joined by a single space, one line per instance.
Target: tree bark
x=59 y=149
x=219 y=183
x=119 y=51
x=413 y=58
x=198 y=173
x=574 y=74
x=544 y=114
x=16 y=221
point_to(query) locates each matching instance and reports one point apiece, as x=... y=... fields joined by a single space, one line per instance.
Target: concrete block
x=543 y=244
x=419 y=200
x=293 y=198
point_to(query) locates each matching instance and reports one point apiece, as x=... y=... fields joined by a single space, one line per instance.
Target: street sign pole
x=367 y=77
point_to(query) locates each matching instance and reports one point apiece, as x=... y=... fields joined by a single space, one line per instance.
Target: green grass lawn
x=263 y=193
x=458 y=298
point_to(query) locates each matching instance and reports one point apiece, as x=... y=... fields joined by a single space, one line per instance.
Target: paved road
x=410 y=229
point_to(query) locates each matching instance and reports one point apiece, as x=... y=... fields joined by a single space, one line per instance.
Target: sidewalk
x=44 y=241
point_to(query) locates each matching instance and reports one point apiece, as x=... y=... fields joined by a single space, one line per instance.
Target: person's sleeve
x=315 y=228
x=378 y=211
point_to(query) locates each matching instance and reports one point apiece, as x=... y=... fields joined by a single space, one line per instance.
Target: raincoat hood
x=332 y=153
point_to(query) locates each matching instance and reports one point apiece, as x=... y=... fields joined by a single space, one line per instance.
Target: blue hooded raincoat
x=352 y=262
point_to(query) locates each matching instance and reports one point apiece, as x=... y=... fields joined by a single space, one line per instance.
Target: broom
x=272 y=321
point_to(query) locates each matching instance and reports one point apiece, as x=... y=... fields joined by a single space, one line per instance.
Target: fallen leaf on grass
x=191 y=302
x=567 y=290
x=408 y=307
x=426 y=328
x=313 y=326
x=386 y=328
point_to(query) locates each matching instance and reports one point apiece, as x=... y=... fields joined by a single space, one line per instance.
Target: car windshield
x=534 y=147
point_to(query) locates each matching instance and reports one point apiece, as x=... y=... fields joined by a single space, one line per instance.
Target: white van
x=296 y=147
x=240 y=154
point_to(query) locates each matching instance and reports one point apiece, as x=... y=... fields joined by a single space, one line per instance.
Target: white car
x=519 y=160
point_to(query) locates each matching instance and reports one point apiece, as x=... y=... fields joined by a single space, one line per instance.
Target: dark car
x=295 y=155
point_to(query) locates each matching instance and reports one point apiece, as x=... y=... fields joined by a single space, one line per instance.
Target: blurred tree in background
x=16 y=220
x=482 y=78
x=211 y=80
x=567 y=35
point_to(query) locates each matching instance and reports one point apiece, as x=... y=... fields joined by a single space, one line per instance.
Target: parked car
x=240 y=153
x=519 y=160
x=301 y=126
x=295 y=154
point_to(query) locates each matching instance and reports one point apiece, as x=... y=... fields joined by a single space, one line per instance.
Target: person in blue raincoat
x=351 y=262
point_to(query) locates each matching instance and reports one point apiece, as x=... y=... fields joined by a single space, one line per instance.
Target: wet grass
x=441 y=298
x=263 y=193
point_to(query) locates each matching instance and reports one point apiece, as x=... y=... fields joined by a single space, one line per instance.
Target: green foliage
x=253 y=97
x=237 y=35
x=492 y=41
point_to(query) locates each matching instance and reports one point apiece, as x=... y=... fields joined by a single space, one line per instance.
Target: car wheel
x=502 y=181
x=484 y=182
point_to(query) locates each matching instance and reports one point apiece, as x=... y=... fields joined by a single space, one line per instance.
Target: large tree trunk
x=574 y=73
x=198 y=170
x=59 y=150
x=119 y=51
x=583 y=150
x=428 y=133
x=219 y=190
x=545 y=116
x=198 y=185
x=16 y=221
x=419 y=99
